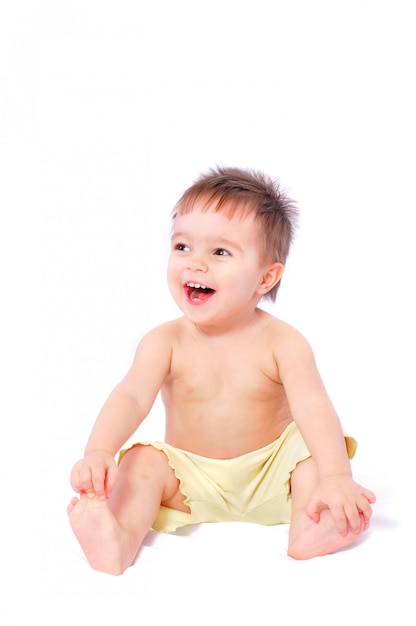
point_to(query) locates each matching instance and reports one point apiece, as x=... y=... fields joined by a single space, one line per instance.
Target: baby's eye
x=182 y=247
x=221 y=252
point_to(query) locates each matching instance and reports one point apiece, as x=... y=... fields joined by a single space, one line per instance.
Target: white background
x=108 y=111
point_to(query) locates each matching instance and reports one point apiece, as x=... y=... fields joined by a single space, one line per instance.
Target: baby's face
x=215 y=266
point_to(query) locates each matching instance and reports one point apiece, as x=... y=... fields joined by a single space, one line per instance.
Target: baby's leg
x=306 y=538
x=111 y=532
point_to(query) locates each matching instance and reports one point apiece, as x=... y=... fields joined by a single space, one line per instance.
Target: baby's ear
x=271 y=277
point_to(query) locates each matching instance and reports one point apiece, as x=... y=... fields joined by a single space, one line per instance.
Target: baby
x=251 y=433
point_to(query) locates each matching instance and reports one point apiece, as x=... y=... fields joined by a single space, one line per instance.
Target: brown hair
x=233 y=190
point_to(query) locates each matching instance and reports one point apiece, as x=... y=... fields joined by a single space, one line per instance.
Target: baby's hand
x=95 y=474
x=348 y=503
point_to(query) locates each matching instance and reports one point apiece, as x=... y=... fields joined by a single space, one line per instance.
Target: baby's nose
x=197 y=264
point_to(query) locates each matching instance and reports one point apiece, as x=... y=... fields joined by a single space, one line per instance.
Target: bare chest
x=223 y=372
x=223 y=396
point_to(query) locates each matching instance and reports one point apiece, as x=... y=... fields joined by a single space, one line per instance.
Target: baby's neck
x=233 y=328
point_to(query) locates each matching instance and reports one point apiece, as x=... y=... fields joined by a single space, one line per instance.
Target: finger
x=354 y=518
x=340 y=519
x=80 y=478
x=98 y=480
x=366 y=511
x=313 y=510
x=85 y=481
x=366 y=522
x=74 y=479
x=110 y=479
x=315 y=516
x=369 y=496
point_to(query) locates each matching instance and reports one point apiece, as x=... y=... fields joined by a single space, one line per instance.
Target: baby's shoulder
x=166 y=333
x=283 y=336
x=277 y=326
x=158 y=343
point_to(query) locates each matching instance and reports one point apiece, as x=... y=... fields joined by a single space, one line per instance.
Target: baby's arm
x=318 y=422
x=125 y=409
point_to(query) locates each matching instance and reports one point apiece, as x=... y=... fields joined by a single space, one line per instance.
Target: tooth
x=196 y=285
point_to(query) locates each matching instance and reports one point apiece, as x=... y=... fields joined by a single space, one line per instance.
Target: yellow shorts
x=254 y=487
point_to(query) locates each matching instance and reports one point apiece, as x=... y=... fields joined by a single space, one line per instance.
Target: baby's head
x=239 y=192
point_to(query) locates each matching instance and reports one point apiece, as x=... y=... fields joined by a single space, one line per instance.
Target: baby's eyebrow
x=178 y=235
x=227 y=243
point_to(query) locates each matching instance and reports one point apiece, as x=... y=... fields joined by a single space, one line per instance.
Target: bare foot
x=319 y=539
x=100 y=535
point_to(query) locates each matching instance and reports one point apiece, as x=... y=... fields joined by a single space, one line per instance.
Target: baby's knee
x=144 y=456
x=147 y=464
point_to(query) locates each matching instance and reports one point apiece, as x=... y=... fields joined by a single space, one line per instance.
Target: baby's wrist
x=98 y=451
x=335 y=474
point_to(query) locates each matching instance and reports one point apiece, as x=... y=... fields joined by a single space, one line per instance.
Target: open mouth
x=198 y=293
